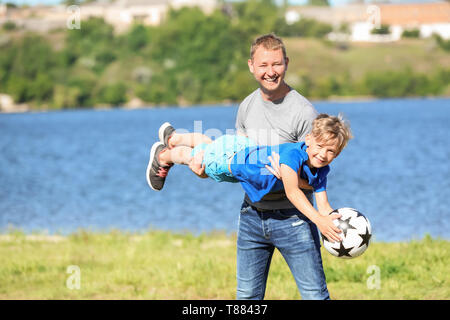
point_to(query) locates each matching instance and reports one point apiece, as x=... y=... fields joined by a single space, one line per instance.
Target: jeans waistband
x=284 y=212
x=263 y=210
x=292 y=211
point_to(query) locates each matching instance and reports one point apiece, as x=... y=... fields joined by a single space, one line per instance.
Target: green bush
x=9 y=25
x=160 y=90
x=413 y=33
x=19 y=89
x=383 y=29
x=444 y=44
x=404 y=83
x=65 y=97
x=113 y=94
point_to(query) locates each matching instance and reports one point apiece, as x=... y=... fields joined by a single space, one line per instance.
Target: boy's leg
x=187 y=139
x=170 y=138
x=177 y=155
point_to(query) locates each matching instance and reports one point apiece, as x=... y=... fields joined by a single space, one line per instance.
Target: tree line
x=190 y=58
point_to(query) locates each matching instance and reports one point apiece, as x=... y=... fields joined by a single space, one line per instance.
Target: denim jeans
x=297 y=239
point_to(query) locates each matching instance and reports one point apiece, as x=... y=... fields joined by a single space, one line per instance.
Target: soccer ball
x=356 y=234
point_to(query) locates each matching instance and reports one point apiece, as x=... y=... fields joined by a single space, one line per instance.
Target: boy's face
x=320 y=152
x=268 y=68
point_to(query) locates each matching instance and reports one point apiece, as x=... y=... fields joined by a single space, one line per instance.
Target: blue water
x=62 y=171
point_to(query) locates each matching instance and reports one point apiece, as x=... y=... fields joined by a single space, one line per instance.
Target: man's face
x=320 y=152
x=268 y=68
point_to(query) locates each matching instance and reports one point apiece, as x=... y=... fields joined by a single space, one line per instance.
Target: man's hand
x=196 y=165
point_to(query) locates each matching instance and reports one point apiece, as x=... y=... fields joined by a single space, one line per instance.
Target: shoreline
x=44 y=236
x=25 y=108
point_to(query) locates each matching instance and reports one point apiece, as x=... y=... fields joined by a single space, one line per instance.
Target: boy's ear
x=308 y=139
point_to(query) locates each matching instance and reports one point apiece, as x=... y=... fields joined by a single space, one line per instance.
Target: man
x=274 y=114
x=271 y=115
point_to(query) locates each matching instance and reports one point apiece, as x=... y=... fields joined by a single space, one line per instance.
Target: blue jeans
x=297 y=239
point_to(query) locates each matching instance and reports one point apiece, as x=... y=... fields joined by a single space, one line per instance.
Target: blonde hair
x=326 y=127
x=268 y=41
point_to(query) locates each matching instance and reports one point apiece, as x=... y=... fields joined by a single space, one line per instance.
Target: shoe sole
x=149 y=166
x=161 y=131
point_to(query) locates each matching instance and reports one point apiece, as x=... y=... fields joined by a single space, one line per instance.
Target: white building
x=361 y=19
x=428 y=18
x=122 y=13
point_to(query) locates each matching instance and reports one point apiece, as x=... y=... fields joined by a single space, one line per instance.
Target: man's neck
x=276 y=95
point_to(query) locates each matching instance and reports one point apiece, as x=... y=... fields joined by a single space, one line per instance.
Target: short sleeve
x=240 y=128
x=293 y=158
x=321 y=184
x=241 y=116
x=304 y=123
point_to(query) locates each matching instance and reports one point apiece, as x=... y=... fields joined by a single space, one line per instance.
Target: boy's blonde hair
x=268 y=41
x=326 y=127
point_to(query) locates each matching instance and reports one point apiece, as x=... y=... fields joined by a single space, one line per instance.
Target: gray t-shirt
x=271 y=123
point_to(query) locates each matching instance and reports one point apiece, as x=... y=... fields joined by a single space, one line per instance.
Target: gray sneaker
x=164 y=133
x=156 y=173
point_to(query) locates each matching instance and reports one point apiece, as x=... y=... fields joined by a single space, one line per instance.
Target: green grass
x=317 y=58
x=165 y=265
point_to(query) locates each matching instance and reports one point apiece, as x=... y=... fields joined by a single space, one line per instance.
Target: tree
x=196 y=51
x=113 y=94
x=257 y=16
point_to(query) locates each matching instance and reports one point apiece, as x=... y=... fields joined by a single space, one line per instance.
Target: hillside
x=318 y=58
x=198 y=59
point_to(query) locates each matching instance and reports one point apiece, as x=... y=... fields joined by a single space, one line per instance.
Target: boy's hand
x=327 y=227
x=274 y=167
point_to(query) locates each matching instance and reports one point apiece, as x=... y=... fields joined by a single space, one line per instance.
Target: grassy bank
x=184 y=62
x=164 y=265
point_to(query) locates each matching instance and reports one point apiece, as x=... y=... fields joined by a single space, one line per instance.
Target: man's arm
x=196 y=165
x=239 y=124
x=299 y=200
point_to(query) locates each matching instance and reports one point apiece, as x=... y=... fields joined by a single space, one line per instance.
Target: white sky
x=332 y=2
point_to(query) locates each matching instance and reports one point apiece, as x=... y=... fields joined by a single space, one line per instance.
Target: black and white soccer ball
x=356 y=234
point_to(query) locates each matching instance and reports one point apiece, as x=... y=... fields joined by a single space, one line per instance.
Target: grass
x=165 y=265
x=317 y=58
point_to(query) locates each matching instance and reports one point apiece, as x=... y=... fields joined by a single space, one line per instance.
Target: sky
x=332 y=2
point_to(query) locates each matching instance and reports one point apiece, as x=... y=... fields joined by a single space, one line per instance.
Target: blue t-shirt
x=248 y=166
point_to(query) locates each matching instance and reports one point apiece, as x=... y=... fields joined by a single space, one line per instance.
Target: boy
x=235 y=158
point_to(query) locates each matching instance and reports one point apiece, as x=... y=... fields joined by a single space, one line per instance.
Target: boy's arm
x=323 y=205
x=275 y=169
x=299 y=200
